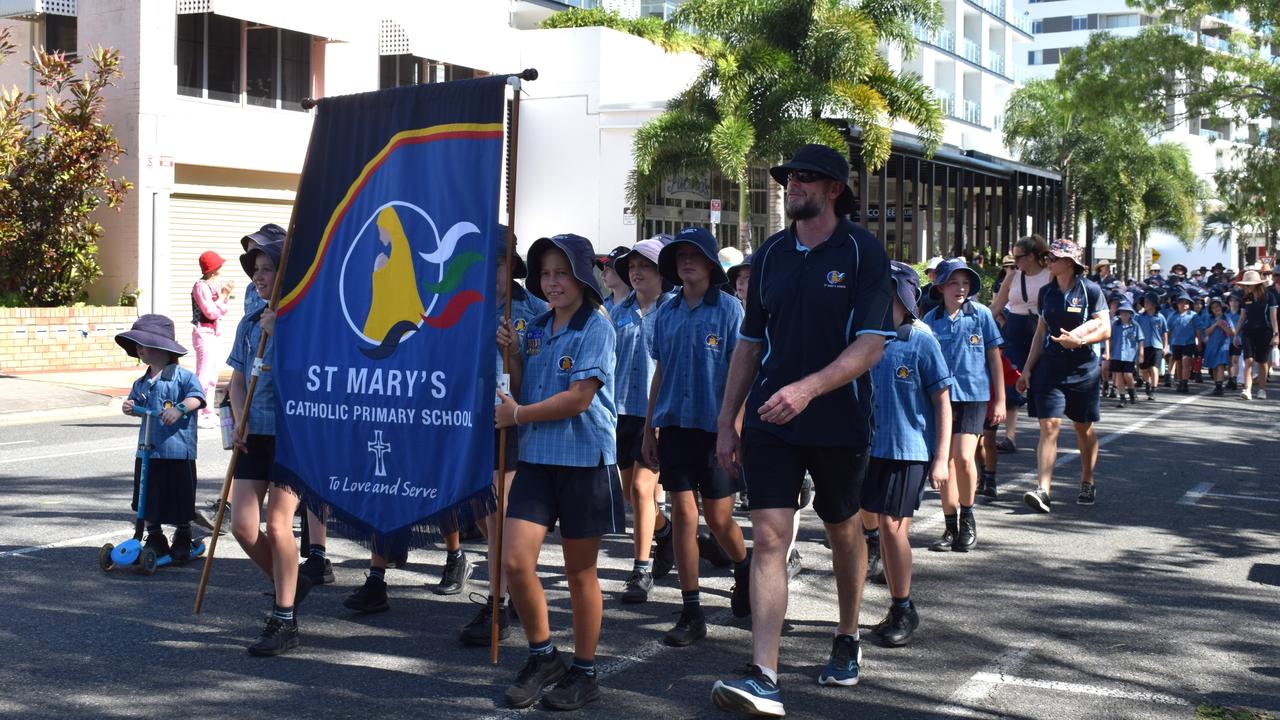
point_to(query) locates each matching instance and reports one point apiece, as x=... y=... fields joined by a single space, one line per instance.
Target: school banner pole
x=495 y=563
x=242 y=426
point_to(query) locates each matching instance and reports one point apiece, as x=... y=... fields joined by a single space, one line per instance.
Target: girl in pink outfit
x=209 y=302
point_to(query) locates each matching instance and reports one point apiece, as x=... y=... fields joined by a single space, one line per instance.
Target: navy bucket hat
x=265 y=235
x=733 y=272
x=581 y=259
x=701 y=239
x=270 y=247
x=519 y=270
x=906 y=283
x=1125 y=306
x=825 y=161
x=948 y=268
x=153 y=331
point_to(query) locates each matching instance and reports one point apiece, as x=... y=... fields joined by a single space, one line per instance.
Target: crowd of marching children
x=814 y=369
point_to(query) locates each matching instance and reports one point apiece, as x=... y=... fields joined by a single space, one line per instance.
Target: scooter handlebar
x=143 y=411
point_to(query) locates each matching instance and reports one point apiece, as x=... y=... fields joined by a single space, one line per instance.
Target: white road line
x=63 y=543
x=1080 y=689
x=1194 y=494
x=1242 y=497
x=967 y=698
x=55 y=456
x=17 y=442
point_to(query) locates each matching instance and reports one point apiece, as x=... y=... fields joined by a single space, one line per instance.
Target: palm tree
x=776 y=73
x=1233 y=218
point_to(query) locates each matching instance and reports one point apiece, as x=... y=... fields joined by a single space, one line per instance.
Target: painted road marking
x=1242 y=497
x=60 y=543
x=32 y=458
x=16 y=442
x=965 y=700
x=1080 y=689
x=1194 y=494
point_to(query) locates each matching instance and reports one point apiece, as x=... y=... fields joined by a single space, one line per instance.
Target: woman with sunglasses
x=1016 y=307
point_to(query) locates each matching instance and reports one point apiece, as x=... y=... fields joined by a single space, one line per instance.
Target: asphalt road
x=1164 y=595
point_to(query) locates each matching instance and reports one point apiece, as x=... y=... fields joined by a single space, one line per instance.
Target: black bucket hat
x=733 y=272
x=270 y=247
x=519 y=270
x=265 y=235
x=949 y=268
x=153 y=331
x=824 y=160
x=906 y=283
x=607 y=261
x=581 y=258
x=701 y=239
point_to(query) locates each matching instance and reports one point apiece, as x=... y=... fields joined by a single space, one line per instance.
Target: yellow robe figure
x=395 y=286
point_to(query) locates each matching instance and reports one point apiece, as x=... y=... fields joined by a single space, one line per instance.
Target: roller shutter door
x=197 y=224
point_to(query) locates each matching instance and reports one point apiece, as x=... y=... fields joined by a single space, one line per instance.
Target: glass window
x=224 y=58
x=295 y=69
x=1037 y=27
x=1121 y=21
x=190 y=55
x=260 y=66
x=60 y=34
x=1080 y=22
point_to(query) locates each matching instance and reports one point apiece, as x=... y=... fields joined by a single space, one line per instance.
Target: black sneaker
x=539 y=672
x=967 y=537
x=638 y=587
x=902 y=622
x=709 y=549
x=795 y=564
x=456 y=573
x=574 y=690
x=479 y=632
x=1124 y=400
x=875 y=566
x=1088 y=493
x=1133 y=397
x=1005 y=445
x=158 y=543
x=370 y=597
x=318 y=570
x=664 y=553
x=180 y=550
x=277 y=637
x=988 y=488
x=1218 y=390
x=690 y=628
x=1231 y=384
x=1037 y=500
x=946 y=542
x=740 y=595
x=1151 y=393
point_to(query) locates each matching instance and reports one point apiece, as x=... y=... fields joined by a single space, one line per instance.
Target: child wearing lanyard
x=1183 y=339
x=694 y=336
x=1218 y=336
x=1127 y=345
x=566 y=472
x=1062 y=369
x=971 y=345
x=633 y=320
x=1155 y=332
x=913 y=415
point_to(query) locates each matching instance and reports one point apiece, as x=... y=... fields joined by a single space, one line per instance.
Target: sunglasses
x=806 y=176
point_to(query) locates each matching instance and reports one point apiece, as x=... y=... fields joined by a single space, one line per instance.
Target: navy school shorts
x=1063 y=387
x=586 y=501
x=1151 y=358
x=774 y=470
x=1180 y=351
x=513 y=449
x=687 y=462
x=894 y=487
x=256 y=462
x=629 y=441
x=968 y=418
x=1122 y=366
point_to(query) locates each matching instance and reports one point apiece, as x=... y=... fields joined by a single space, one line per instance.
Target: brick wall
x=63 y=338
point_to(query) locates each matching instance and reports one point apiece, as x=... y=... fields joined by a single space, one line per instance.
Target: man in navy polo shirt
x=819 y=310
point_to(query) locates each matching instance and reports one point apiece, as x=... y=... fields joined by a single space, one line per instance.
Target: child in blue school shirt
x=694 y=337
x=1183 y=340
x=912 y=441
x=566 y=473
x=1155 y=332
x=174 y=394
x=971 y=344
x=1234 y=351
x=1127 y=345
x=1218 y=335
x=634 y=319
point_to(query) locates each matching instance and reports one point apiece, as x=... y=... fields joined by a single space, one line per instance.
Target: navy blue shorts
x=513 y=449
x=1122 y=366
x=968 y=418
x=586 y=501
x=1180 y=351
x=687 y=462
x=630 y=439
x=1257 y=345
x=894 y=487
x=774 y=470
x=1151 y=358
x=1063 y=387
x=256 y=462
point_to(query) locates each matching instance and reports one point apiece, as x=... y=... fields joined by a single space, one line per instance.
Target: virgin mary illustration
x=396 y=307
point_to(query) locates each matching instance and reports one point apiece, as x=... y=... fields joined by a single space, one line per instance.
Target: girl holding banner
x=566 y=472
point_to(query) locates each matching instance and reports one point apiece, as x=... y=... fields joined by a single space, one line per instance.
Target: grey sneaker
x=638 y=587
x=1088 y=493
x=1037 y=500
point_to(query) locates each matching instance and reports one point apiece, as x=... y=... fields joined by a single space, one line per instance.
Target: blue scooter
x=132 y=551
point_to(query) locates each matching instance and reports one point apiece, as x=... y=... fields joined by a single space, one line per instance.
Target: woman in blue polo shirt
x=566 y=472
x=1062 y=370
x=971 y=344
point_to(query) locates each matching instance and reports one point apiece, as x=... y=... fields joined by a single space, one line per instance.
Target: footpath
x=63 y=395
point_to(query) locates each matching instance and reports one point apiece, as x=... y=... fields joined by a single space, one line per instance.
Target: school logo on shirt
x=520 y=325
x=975 y=339
x=713 y=341
x=168 y=404
x=835 y=279
x=533 y=342
x=902 y=372
x=565 y=363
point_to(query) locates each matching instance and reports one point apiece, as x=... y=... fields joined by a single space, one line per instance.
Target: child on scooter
x=173 y=393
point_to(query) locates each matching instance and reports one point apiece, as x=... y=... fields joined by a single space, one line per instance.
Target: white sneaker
x=1244 y=394
x=1261 y=394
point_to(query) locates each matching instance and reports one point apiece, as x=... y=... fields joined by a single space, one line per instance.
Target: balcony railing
x=1210 y=134
x=972 y=51
x=972 y=112
x=947 y=102
x=1022 y=22
x=941 y=37
x=995 y=7
x=995 y=62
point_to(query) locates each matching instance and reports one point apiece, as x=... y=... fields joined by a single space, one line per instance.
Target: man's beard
x=806 y=209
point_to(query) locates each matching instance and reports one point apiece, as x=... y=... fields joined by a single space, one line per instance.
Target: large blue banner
x=384 y=340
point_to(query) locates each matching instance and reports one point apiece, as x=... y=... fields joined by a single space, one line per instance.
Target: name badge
x=1075 y=309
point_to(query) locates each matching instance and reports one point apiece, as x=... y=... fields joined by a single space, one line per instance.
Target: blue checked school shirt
x=262 y=410
x=965 y=341
x=693 y=347
x=1125 y=339
x=911 y=371
x=553 y=359
x=524 y=308
x=173 y=385
x=1153 y=329
x=1182 y=329
x=634 y=371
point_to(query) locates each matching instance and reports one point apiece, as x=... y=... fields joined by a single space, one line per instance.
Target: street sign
x=715 y=212
x=1155 y=255
x=1267 y=259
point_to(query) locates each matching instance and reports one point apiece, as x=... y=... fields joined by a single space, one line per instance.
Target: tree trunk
x=744 y=214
